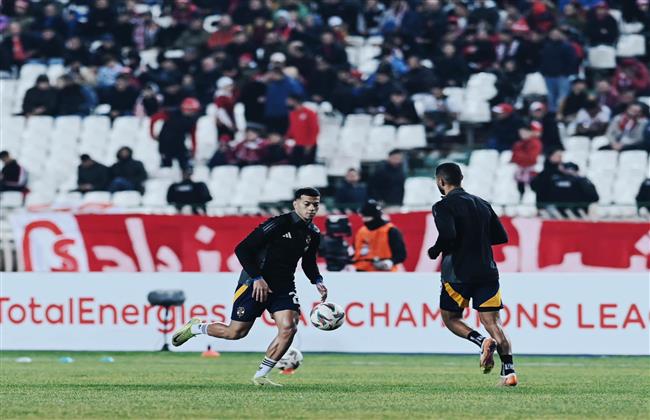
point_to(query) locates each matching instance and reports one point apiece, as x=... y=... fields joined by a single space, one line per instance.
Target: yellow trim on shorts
x=240 y=292
x=493 y=302
x=457 y=297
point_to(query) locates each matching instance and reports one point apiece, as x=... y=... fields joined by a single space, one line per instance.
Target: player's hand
x=261 y=290
x=322 y=290
x=383 y=265
x=433 y=252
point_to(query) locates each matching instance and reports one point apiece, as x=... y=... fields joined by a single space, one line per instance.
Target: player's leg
x=487 y=301
x=452 y=303
x=492 y=323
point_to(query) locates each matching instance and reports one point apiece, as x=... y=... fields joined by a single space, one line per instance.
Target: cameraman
x=378 y=245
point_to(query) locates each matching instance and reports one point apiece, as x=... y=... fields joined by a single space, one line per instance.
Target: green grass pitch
x=334 y=386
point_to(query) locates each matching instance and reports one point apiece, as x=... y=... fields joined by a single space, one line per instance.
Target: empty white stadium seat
x=420 y=192
x=598 y=142
x=358 y=120
x=603 y=160
x=315 y=175
x=475 y=110
x=11 y=199
x=126 y=199
x=411 y=136
x=226 y=174
x=275 y=191
x=602 y=57
x=253 y=175
x=633 y=160
x=630 y=45
x=283 y=173
x=534 y=84
x=486 y=159
x=97 y=197
x=578 y=144
x=206 y=137
x=580 y=158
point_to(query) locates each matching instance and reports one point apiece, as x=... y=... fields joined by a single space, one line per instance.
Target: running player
x=467 y=229
x=269 y=256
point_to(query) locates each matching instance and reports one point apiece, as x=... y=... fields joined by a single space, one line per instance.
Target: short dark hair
x=450 y=172
x=4 y=154
x=394 y=152
x=296 y=97
x=308 y=191
x=85 y=157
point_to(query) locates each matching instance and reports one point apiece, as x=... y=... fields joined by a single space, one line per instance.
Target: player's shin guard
x=475 y=337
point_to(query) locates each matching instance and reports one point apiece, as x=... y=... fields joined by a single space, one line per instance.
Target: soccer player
x=467 y=229
x=269 y=256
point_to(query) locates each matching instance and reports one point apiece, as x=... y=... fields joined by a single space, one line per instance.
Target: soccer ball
x=327 y=316
x=291 y=359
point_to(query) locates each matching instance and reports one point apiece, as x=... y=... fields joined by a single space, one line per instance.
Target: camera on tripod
x=334 y=246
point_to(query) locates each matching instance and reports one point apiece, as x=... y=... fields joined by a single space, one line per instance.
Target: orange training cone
x=210 y=353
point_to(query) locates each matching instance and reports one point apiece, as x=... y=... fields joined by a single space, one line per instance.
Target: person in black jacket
x=269 y=256
x=601 y=28
x=127 y=173
x=643 y=197
x=467 y=229
x=504 y=129
x=550 y=132
x=558 y=62
x=400 y=110
x=91 y=175
x=13 y=177
x=189 y=193
x=350 y=192
x=70 y=97
x=40 y=99
x=178 y=123
x=387 y=183
x=121 y=97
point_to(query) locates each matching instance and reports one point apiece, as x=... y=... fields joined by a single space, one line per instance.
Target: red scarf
x=19 y=51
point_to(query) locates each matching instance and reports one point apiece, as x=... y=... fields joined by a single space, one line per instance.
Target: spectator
x=12 y=177
x=643 y=197
x=558 y=62
x=591 y=120
x=91 y=175
x=75 y=53
x=178 y=123
x=108 y=73
x=121 y=97
x=606 y=94
x=625 y=132
x=50 y=47
x=387 y=183
x=574 y=101
x=451 y=68
x=127 y=173
x=632 y=74
x=602 y=28
x=189 y=193
x=101 y=19
x=194 y=36
x=71 y=99
x=40 y=99
x=378 y=90
x=51 y=19
x=331 y=51
x=274 y=152
x=149 y=101
x=559 y=187
x=525 y=153
x=350 y=193
x=250 y=151
x=18 y=46
x=253 y=97
x=504 y=131
x=418 y=79
x=303 y=129
x=550 y=132
x=224 y=99
x=276 y=111
x=224 y=33
x=400 y=110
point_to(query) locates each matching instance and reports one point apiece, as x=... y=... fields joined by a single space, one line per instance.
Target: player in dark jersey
x=467 y=229
x=269 y=256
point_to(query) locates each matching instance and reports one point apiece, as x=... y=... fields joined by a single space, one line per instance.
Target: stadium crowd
x=272 y=55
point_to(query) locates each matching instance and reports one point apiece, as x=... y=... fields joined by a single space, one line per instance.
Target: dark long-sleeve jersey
x=467 y=229
x=273 y=249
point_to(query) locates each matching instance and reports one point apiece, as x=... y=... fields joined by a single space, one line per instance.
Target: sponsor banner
x=147 y=243
x=545 y=313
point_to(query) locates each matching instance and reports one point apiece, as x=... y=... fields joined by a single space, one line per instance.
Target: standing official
x=378 y=244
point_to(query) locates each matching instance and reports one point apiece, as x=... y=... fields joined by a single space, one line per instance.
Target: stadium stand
x=345 y=67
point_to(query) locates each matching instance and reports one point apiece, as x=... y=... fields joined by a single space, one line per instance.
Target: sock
x=265 y=367
x=475 y=338
x=507 y=366
x=199 y=329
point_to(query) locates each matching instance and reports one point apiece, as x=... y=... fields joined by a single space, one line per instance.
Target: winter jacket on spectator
x=400 y=113
x=451 y=71
x=352 y=195
x=526 y=151
x=188 y=192
x=591 y=121
x=601 y=30
x=564 y=190
x=12 y=177
x=93 y=176
x=253 y=96
x=75 y=52
x=558 y=59
x=71 y=99
x=632 y=74
x=505 y=132
x=129 y=169
x=36 y=99
x=627 y=131
x=277 y=92
x=17 y=48
x=387 y=184
x=101 y=20
x=250 y=151
x=303 y=126
x=122 y=100
x=176 y=127
x=49 y=46
x=418 y=80
x=643 y=197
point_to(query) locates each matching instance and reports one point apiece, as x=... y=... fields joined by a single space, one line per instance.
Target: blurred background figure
x=189 y=193
x=378 y=244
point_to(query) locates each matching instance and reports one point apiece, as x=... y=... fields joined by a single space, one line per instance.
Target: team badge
x=240 y=311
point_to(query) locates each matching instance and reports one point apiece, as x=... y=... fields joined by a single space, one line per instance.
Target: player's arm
x=446 y=230
x=248 y=250
x=498 y=234
x=310 y=267
x=397 y=246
